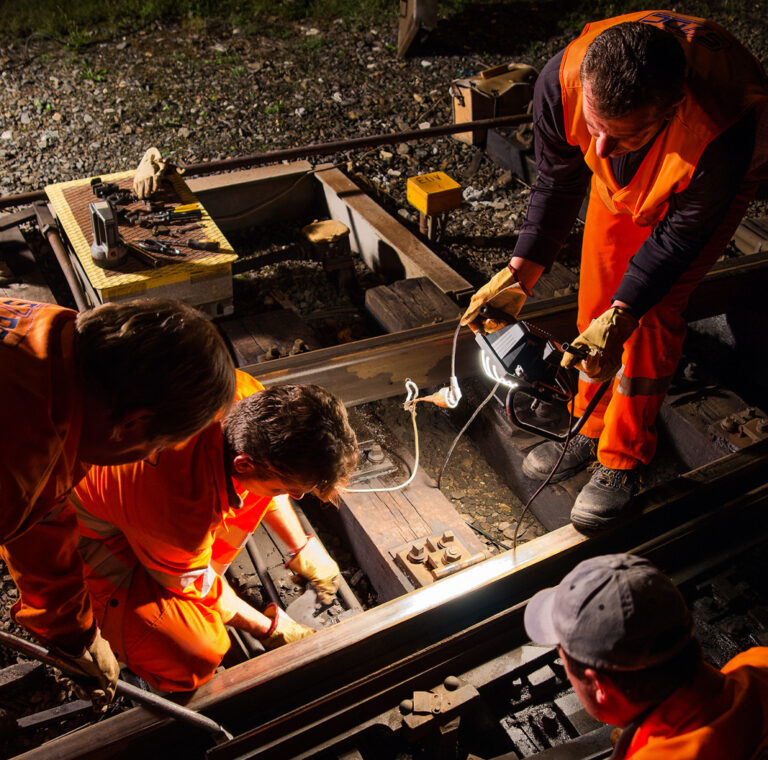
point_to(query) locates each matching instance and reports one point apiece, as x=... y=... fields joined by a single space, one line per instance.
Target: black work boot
x=605 y=500
x=540 y=461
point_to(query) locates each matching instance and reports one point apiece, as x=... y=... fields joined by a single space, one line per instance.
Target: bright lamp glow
x=491 y=369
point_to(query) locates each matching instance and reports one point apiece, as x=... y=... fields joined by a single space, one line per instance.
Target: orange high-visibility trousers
x=175 y=643
x=624 y=420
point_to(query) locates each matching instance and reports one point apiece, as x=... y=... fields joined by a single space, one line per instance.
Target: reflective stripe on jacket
x=179 y=515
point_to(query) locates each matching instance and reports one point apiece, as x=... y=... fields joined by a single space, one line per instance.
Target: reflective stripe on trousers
x=624 y=421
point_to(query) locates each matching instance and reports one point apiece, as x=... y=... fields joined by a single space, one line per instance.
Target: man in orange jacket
x=105 y=386
x=664 y=116
x=625 y=636
x=159 y=534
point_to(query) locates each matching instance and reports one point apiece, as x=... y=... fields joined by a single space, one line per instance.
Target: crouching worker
x=625 y=636
x=158 y=535
x=102 y=387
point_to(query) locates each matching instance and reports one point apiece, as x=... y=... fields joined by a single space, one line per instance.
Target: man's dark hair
x=649 y=684
x=633 y=65
x=300 y=433
x=157 y=355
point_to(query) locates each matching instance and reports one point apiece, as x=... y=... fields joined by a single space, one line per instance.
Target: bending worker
x=663 y=117
x=158 y=535
x=105 y=386
x=625 y=636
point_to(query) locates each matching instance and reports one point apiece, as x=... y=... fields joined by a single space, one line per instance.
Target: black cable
x=462 y=431
x=554 y=469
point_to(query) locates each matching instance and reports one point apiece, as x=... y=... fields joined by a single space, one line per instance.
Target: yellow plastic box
x=433 y=193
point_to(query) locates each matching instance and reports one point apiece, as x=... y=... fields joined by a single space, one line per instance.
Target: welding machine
x=527 y=361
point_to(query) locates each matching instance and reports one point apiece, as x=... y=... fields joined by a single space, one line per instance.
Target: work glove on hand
x=148 y=174
x=502 y=292
x=604 y=339
x=100 y=669
x=284 y=629
x=314 y=563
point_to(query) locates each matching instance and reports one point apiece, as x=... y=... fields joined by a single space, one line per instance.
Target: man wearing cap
x=625 y=636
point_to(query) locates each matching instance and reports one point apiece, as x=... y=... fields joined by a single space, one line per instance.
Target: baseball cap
x=615 y=611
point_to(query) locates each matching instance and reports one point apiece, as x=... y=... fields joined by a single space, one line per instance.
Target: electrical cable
x=463 y=430
x=549 y=477
x=412 y=388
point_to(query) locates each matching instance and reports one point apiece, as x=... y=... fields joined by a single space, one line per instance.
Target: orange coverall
x=157 y=537
x=720 y=715
x=42 y=412
x=726 y=82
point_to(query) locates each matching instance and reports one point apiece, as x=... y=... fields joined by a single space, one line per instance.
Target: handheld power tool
x=527 y=361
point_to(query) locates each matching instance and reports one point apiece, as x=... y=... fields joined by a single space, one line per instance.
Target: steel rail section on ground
x=376 y=368
x=291 y=701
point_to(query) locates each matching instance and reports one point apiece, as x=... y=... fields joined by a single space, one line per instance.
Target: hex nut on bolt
x=448 y=537
x=417 y=554
x=375 y=454
x=451 y=554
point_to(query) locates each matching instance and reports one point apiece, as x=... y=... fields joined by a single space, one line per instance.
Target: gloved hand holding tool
x=604 y=339
x=100 y=671
x=148 y=174
x=504 y=292
x=284 y=629
x=313 y=563
x=153 y=701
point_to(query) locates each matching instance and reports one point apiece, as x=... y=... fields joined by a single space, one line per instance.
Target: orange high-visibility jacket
x=180 y=515
x=723 y=83
x=42 y=409
x=720 y=715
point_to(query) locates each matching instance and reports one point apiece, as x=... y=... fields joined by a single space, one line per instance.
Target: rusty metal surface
x=357 y=668
x=434 y=557
x=377 y=368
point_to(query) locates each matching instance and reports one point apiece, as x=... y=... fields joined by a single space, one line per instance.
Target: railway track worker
x=105 y=386
x=625 y=636
x=158 y=535
x=663 y=117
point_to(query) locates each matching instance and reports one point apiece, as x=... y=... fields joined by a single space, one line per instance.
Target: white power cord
x=447 y=398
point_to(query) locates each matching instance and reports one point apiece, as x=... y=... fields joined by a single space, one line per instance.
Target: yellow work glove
x=148 y=173
x=284 y=629
x=502 y=292
x=314 y=563
x=100 y=670
x=604 y=339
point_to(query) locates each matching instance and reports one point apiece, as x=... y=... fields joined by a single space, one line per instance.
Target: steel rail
x=313 y=149
x=123 y=689
x=376 y=368
x=287 y=700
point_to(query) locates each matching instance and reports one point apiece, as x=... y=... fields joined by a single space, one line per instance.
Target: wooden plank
x=251 y=337
x=20 y=277
x=409 y=303
x=559 y=281
x=380 y=522
x=385 y=245
x=711 y=422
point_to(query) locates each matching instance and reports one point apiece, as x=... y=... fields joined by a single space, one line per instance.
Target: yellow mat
x=70 y=201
